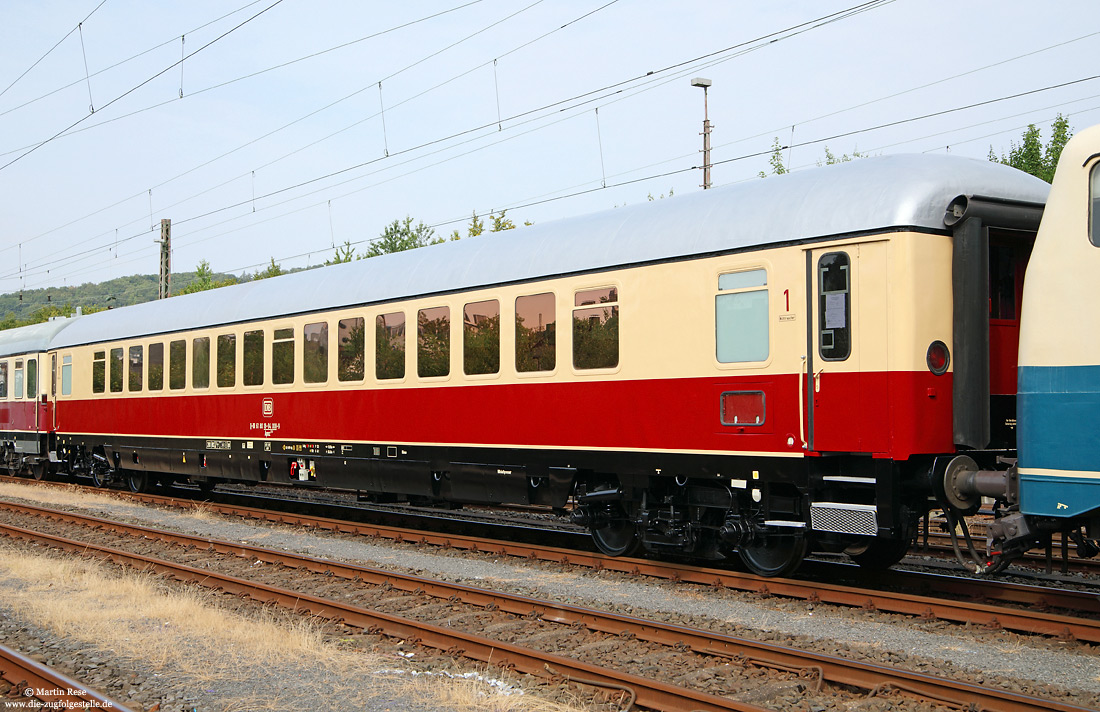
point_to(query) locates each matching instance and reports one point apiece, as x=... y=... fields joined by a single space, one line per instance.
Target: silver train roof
x=867 y=194
x=33 y=338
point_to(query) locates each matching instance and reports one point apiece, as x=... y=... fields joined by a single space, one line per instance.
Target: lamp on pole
x=704 y=83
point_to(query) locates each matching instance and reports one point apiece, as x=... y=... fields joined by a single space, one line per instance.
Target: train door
x=847 y=345
x=1009 y=251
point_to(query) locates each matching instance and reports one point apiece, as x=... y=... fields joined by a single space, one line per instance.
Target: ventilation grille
x=844 y=518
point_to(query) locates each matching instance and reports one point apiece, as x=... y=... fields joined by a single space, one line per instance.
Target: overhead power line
x=121 y=62
x=135 y=88
x=51 y=49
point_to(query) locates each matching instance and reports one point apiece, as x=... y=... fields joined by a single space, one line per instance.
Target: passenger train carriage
x=807 y=362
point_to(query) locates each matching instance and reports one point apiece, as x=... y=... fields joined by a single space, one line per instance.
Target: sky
x=291 y=127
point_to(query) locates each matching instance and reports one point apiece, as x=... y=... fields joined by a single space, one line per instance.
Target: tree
x=399 y=236
x=1030 y=156
x=776 y=160
x=204 y=280
x=344 y=253
x=272 y=270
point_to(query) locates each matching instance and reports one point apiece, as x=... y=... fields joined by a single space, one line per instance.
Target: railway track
x=31 y=680
x=814 y=673
x=992 y=603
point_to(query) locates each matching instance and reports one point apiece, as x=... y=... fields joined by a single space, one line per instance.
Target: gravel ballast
x=976 y=655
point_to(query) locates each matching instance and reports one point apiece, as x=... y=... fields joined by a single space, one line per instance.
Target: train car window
x=254 y=358
x=389 y=346
x=136 y=364
x=32 y=378
x=177 y=365
x=18 y=378
x=352 y=354
x=481 y=337
x=596 y=328
x=433 y=342
x=741 y=317
x=156 y=367
x=4 y=380
x=66 y=375
x=116 y=370
x=227 y=361
x=282 y=356
x=315 y=352
x=99 y=372
x=1094 y=205
x=536 y=332
x=200 y=362
x=834 y=340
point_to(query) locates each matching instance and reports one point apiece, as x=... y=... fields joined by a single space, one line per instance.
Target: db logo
x=269 y=407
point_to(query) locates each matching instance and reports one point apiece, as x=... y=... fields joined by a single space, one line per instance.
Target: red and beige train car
x=28 y=419
x=763 y=369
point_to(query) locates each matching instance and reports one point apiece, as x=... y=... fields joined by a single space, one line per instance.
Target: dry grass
x=272 y=661
x=62 y=496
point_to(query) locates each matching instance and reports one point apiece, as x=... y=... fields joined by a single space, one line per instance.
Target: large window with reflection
x=253 y=362
x=536 y=333
x=433 y=342
x=352 y=354
x=136 y=368
x=227 y=360
x=177 y=364
x=389 y=346
x=481 y=337
x=116 y=370
x=315 y=352
x=596 y=328
x=156 y=367
x=99 y=372
x=200 y=362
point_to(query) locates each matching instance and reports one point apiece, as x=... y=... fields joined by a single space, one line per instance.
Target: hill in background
x=37 y=304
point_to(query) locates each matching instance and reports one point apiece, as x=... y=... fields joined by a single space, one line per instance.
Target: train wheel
x=616 y=537
x=878 y=554
x=774 y=555
x=100 y=475
x=40 y=470
x=137 y=480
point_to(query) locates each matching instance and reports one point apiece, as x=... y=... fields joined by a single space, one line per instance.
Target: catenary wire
x=51 y=49
x=138 y=86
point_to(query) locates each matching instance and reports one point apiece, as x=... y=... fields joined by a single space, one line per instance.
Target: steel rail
x=833 y=669
x=1033 y=620
x=649 y=693
x=50 y=686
